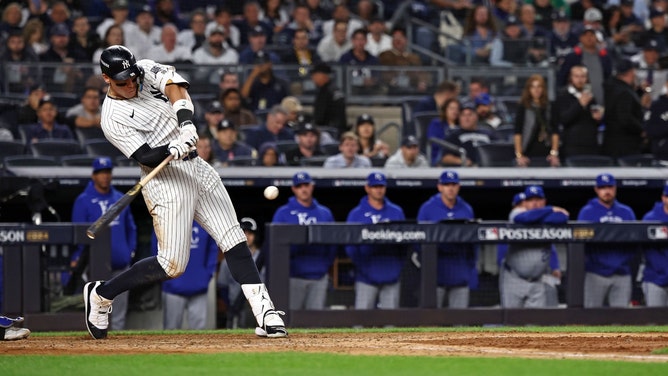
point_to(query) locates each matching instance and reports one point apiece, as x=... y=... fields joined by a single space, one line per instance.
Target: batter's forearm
x=150 y=157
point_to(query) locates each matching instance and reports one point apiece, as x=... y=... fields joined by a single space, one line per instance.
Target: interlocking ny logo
x=126 y=64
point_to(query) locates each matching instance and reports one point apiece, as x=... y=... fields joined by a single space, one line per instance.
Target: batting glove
x=178 y=149
x=188 y=134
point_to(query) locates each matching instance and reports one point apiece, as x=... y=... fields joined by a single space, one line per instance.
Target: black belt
x=192 y=155
x=510 y=270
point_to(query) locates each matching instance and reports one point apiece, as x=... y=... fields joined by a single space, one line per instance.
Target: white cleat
x=13 y=334
x=269 y=321
x=97 y=310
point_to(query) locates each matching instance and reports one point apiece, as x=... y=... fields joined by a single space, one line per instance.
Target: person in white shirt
x=333 y=46
x=168 y=51
x=119 y=16
x=377 y=39
x=223 y=19
x=194 y=37
x=341 y=13
x=215 y=51
x=145 y=36
x=408 y=155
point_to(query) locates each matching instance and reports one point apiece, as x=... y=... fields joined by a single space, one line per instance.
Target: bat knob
x=90 y=234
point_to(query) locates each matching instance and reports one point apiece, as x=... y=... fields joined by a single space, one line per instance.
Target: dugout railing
x=574 y=235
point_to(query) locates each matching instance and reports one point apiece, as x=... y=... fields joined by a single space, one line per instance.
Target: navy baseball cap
x=449 y=177
x=226 y=124
x=410 y=141
x=483 y=99
x=376 y=179
x=534 y=191
x=300 y=178
x=365 y=118
x=102 y=163
x=605 y=180
x=248 y=224
x=518 y=198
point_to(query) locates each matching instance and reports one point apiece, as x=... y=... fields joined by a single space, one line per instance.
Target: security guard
x=329 y=108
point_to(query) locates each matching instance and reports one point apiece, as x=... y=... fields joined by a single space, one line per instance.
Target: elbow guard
x=150 y=157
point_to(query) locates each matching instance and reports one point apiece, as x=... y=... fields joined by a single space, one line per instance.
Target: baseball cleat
x=97 y=310
x=273 y=325
x=13 y=334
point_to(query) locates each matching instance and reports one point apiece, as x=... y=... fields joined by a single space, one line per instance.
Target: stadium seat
x=8 y=148
x=496 y=155
x=82 y=160
x=314 y=161
x=284 y=146
x=242 y=161
x=589 y=161
x=421 y=122
x=124 y=161
x=28 y=160
x=330 y=148
x=52 y=147
x=637 y=160
x=505 y=132
x=90 y=133
x=101 y=147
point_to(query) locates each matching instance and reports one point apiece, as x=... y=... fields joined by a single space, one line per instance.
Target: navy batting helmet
x=119 y=63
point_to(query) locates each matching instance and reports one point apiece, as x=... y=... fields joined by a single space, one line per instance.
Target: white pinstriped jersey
x=147 y=118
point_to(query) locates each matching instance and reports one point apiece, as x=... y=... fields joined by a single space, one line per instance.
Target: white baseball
x=271 y=192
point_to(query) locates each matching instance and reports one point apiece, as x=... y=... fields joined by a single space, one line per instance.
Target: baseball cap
x=261 y=57
x=256 y=31
x=322 y=68
x=449 y=177
x=145 y=9
x=226 y=124
x=120 y=4
x=215 y=30
x=292 y=104
x=303 y=128
x=365 y=118
x=534 y=191
x=102 y=163
x=651 y=44
x=518 y=198
x=248 y=224
x=376 y=179
x=605 y=180
x=624 y=65
x=46 y=99
x=36 y=86
x=512 y=21
x=301 y=177
x=468 y=106
x=410 y=141
x=483 y=99
x=60 y=29
x=626 y=2
x=654 y=12
x=215 y=106
x=559 y=16
x=593 y=15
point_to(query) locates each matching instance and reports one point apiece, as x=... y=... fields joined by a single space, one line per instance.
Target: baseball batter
x=147 y=115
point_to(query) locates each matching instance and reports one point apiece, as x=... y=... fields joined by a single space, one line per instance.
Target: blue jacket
x=607 y=259
x=89 y=206
x=376 y=264
x=307 y=261
x=456 y=262
x=200 y=268
x=656 y=257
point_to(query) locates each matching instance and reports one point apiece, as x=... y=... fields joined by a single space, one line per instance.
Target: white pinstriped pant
x=181 y=192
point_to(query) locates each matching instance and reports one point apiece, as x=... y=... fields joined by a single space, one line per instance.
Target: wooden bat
x=124 y=201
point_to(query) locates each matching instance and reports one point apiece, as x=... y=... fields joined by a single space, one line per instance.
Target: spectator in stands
x=332 y=47
x=457 y=272
x=538 y=52
x=214 y=52
x=319 y=10
x=445 y=91
x=251 y=19
x=377 y=40
x=469 y=135
x=441 y=127
x=87 y=113
x=205 y=151
x=511 y=46
x=623 y=134
x=348 y=156
x=301 y=20
x=275 y=14
x=656 y=126
x=231 y=101
x=11 y=21
x=168 y=52
x=308 y=139
x=341 y=13
x=295 y=110
x=268 y=155
x=193 y=37
x=657 y=29
x=57 y=12
x=624 y=28
x=17 y=76
x=329 y=106
x=535 y=138
x=400 y=56
x=408 y=155
x=370 y=146
x=96 y=198
x=544 y=13
x=223 y=20
x=479 y=86
x=649 y=75
x=47 y=126
x=502 y=10
x=228 y=80
x=187 y=295
x=83 y=41
x=274 y=129
x=562 y=39
x=114 y=35
x=262 y=88
x=33 y=35
x=597 y=60
x=300 y=53
x=593 y=18
x=212 y=117
x=166 y=12
x=119 y=16
x=28 y=111
x=486 y=116
x=228 y=147
x=377 y=267
x=257 y=43
x=607 y=266
x=479 y=32
x=309 y=264
x=66 y=76
x=357 y=54
x=146 y=35
x=524 y=266
x=578 y=114
x=655 y=256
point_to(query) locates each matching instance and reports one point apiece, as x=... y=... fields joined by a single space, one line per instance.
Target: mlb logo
x=489 y=233
x=657 y=232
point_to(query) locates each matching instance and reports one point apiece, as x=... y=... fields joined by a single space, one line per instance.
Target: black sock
x=241 y=265
x=143 y=272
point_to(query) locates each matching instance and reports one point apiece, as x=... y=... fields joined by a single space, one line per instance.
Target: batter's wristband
x=184 y=111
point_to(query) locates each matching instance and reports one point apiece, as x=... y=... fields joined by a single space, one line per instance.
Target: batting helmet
x=119 y=63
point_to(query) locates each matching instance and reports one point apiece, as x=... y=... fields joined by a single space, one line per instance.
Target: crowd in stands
x=607 y=59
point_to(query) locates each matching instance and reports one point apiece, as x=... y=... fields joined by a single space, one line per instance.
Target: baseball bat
x=124 y=201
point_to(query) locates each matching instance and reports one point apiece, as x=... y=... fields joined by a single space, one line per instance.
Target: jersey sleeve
x=159 y=75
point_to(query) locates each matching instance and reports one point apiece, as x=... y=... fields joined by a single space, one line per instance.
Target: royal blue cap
x=534 y=191
x=301 y=178
x=605 y=180
x=102 y=163
x=483 y=99
x=518 y=198
x=375 y=179
x=449 y=177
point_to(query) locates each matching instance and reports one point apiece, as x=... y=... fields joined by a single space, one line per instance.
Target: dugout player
x=607 y=266
x=456 y=262
x=377 y=267
x=655 y=273
x=147 y=115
